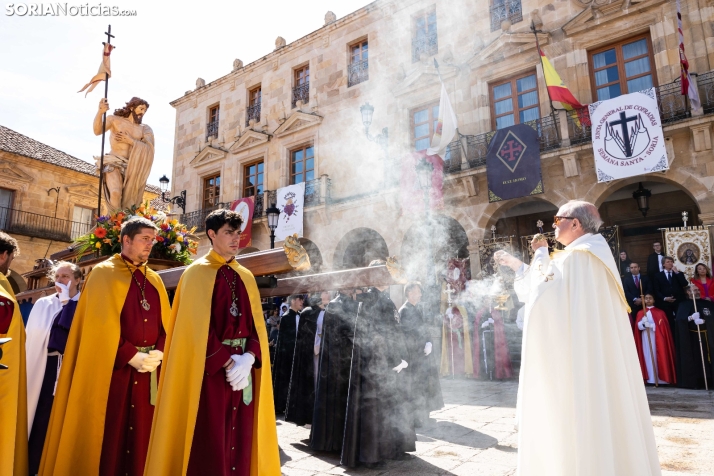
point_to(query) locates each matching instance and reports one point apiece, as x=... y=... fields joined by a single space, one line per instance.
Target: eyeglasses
x=557 y=219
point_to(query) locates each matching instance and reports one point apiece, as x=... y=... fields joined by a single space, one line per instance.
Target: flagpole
x=104 y=128
x=535 y=33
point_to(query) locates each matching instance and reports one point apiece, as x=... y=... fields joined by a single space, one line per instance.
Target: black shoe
x=377 y=465
x=404 y=457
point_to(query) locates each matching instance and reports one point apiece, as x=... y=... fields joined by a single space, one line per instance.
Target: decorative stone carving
x=200 y=82
x=237 y=64
x=298 y=120
x=208 y=155
x=297 y=255
x=279 y=42
x=701 y=135
x=570 y=165
x=330 y=18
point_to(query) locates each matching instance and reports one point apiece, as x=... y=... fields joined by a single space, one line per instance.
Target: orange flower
x=100 y=232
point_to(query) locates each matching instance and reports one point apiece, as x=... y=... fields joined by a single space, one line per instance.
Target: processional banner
x=291 y=202
x=245 y=206
x=627 y=136
x=688 y=246
x=513 y=164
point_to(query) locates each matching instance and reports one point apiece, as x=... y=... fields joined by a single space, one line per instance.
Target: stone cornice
x=595 y=15
x=297 y=121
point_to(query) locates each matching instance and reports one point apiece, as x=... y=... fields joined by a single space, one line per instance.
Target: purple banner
x=513 y=164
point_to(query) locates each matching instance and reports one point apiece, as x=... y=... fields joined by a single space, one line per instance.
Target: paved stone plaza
x=474 y=435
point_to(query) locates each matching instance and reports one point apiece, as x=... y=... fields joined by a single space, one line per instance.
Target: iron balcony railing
x=424 y=43
x=706 y=91
x=198 y=218
x=476 y=146
x=579 y=126
x=212 y=129
x=357 y=72
x=673 y=106
x=314 y=193
x=505 y=10
x=41 y=226
x=252 y=112
x=301 y=93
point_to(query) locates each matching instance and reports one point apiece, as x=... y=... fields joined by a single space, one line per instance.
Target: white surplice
x=582 y=408
x=39 y=324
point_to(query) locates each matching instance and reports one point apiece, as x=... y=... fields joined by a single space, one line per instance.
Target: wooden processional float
x=265 y=265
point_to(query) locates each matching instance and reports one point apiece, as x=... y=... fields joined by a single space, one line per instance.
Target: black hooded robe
x=426 y=389
x=379 y=424
x=328 y=421
x=282 y=366
x=301 y=390
x=688 y=363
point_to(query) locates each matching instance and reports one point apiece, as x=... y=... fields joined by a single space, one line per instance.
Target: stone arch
x=17 y=282
x=448 y=239
x=315 y=255
x=358 y=247
x=686 y=182
x=495 y=211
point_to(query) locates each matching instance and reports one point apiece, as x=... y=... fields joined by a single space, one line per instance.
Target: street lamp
x=642 y=196
x=179 y=200
x=273 y=213
x=382 y=139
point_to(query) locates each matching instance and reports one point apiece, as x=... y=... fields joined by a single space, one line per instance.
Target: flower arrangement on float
x=174 y=241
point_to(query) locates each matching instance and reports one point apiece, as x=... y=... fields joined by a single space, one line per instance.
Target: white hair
x=586 y=213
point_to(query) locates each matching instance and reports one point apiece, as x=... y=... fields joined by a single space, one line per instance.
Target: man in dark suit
x=631 y=285
x=670 y=289
x=654 y=261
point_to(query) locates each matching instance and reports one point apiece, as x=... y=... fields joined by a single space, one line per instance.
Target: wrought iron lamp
x=179 y=200
x=642 y=196
x=273 y=213
x=382 y=139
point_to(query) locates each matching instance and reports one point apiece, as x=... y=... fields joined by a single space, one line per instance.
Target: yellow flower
x=179 y=238
x=174 y=222
x=98 y=245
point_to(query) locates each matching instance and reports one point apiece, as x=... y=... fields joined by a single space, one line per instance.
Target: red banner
x=245 y=206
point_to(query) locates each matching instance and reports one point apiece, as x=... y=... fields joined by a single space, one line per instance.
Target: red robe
x=223 y=436
x=127 y=427
x=665 y=346
x=502 y=357
x=7 y=308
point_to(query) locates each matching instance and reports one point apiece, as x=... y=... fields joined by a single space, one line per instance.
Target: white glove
x=240 y=384
x=699 y=322
x=427 y=348
x=138 y=361
x=487 y=323
x=64 y=291
x=694 y=316
x=152 y=361
x=241 y=368
x=642 y=325
x=401 y=366
x=316 y=350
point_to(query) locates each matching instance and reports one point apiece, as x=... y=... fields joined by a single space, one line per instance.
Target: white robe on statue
x=582 y=408
x=39 y=324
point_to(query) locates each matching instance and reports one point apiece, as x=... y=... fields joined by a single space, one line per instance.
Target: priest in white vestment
x=582 y=408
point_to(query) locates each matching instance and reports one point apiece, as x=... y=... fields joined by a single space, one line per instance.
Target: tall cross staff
x=449 y=291
x=699 y=335
x=649 y=339
x=104 y=127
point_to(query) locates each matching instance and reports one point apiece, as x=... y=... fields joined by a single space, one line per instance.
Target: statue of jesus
x=128 y=162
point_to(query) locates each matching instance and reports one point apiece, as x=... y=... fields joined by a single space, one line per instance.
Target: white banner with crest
x=627 y=136
x=688 y=246
x=291 y=202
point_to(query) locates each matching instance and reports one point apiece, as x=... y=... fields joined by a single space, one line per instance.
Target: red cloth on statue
x=223 y=436
x=502 y=357
x=664 y=343
x=7 y=308
x=127 y=426
x=706 y=290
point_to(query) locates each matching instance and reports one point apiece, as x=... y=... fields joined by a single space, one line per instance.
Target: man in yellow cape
x=13 y=380
x=102 y=411
x=215 y=412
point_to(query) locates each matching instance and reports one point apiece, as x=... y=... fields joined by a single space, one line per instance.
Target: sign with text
x=291 y=202
x=513 y=164
x=245 y=206
x=627 y=136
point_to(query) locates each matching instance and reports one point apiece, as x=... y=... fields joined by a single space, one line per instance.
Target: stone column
x=707 y=219
x=474 y=260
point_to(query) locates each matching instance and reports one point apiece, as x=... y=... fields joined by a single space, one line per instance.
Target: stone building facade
x=294 y=115
x=47 y=199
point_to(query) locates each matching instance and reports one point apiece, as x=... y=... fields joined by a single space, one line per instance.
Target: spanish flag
x=556 y=87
